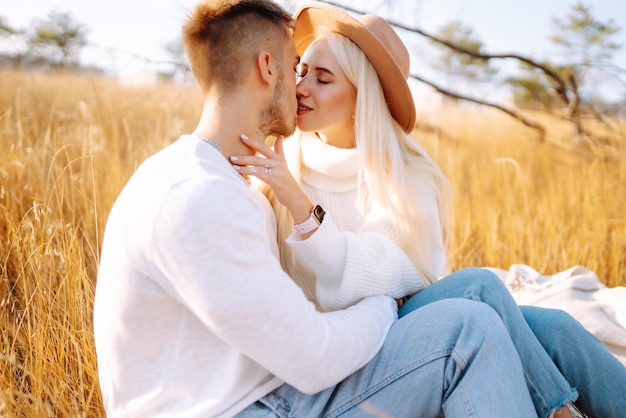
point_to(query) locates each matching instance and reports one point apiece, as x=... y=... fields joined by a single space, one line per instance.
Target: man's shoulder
x=184 y=177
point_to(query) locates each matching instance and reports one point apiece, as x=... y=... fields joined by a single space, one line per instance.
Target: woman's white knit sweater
x=353 y=254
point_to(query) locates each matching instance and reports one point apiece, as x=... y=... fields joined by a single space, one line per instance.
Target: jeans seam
x=386 y=381
x=467 y=402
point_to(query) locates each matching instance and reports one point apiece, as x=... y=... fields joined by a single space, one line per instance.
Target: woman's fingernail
x=236 y=167
x=244 y=137
x=233 y=158
x=253 y=169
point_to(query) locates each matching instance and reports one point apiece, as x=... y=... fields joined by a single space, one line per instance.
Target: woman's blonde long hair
x=400 y=176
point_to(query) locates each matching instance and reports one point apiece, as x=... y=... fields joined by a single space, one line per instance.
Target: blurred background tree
x=458 y=65
x=53 y=42
x=585 y=72
x=57 y=39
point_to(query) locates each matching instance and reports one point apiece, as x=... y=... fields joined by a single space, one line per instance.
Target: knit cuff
x=326 y=247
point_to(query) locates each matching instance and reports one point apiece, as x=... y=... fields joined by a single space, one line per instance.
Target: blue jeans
x=543 y=338
x=583 y=359
x=452 y=357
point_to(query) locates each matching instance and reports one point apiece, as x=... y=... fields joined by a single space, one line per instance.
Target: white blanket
x=578 y=291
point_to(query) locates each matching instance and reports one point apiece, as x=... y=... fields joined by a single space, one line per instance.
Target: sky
x=122 y=30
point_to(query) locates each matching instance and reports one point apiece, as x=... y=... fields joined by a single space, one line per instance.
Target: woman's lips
x=302 y=108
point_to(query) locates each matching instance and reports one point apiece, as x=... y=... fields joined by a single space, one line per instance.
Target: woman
x=385 y=207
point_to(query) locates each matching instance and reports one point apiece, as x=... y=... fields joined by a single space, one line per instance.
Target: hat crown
x=389 y=39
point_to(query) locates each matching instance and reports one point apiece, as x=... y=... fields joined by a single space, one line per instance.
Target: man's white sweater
x=193 y=314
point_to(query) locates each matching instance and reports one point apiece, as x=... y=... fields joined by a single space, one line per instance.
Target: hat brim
x=395 y=87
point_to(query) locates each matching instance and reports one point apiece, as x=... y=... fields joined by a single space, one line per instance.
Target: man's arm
x=214 y=250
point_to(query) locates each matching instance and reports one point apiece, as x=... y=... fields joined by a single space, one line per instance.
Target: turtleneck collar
x=327 y=167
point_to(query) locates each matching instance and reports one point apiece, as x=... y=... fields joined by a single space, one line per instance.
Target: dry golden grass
x=522 y=201
x=68 y=144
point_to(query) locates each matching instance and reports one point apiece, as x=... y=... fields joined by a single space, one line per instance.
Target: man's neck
x=224 y=121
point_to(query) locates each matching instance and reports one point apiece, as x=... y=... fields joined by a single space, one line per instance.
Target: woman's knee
x=476 y=275
x=480 y=284
x=469 y=283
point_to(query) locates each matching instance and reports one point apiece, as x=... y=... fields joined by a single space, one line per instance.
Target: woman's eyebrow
x=325 y=70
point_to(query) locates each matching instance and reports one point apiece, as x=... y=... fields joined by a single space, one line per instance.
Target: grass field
x=68 y=144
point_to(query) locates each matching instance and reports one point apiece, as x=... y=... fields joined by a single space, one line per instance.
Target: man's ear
x=265 y=63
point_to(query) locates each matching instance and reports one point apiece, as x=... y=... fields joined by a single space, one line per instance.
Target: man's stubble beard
x=274 y=118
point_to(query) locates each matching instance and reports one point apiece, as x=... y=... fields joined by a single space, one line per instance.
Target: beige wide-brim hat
x=379 y=42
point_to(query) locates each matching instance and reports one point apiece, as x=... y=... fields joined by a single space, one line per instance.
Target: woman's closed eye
x=302 y=70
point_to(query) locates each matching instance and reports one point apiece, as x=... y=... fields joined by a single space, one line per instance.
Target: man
x=193 y=313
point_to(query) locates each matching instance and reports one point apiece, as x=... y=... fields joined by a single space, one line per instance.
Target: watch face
x=319 y=213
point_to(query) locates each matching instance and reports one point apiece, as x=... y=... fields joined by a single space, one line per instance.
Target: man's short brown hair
x=222 y=37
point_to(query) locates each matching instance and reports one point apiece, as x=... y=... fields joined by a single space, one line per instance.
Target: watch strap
x=312 y=221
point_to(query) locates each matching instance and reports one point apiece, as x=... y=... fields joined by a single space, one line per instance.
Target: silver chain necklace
x=217 y=147
x=210 y=142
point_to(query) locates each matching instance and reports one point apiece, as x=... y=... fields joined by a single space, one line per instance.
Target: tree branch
x=541 y=130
